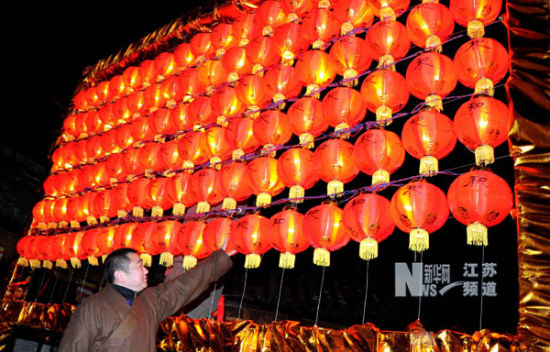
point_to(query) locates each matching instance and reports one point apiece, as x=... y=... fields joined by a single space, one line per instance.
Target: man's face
x=135 y=277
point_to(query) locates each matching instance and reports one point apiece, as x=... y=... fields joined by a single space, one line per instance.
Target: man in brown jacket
x=125 y=315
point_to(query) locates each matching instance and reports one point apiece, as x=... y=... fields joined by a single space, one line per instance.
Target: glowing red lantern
x=92 y=123
x=243 y=28
x=431 y=76
x=132 y=78
x=115 y=167
x=163 y=241
x=429 y=25
x=157 y=194
x=288 y=236
x=251 y=236
x=73 y=250
x=141 y=237
x=297 y=8
x=181 y=194
x=137 y=195
x=201 y=112
x=149 y=158
x=92 y=97
x=105 y=240
x=193 y=149
x=316 y=70
x=205 y=184
x=475 y=14
x=297 y=170
x=335 y=164
x=225 y=105
x=353 y=14
x=184 y=57
x=103 y=92
x=368 y=217
x=201 y=45
x=190 y=243
x=385 y=92
x=89 y=247
x=381 y=6
x=211 y=74
x=344 y=108
x=235 y=183
x=136 y=102
x=307 y=119
x=160 y=123
x=378 y=153
x=23 y=248
x=79 y=101
x=190 y=83
x=240 y=136
x=324 y=227
x=117 y=88
x=289 y=42
x=281 y=82
x=429 y=136
x=419 y=208
x=479 y=199
x=180 y=119
x=271 y=128
x=261 y=53
x=222 y=38
x=172 y=91
x=264 y=179
x=480 y=63
x=154 y=97
x=351 y=57
x=217 y=144
x=123 y=234
x=251 y=91
x=321 y=27
x=107 y=117
x=269 y=15
x=388 y=41
x=482 y=124
x=236 y=63
x=148 y=72
x=141 y=131
x=217 y=233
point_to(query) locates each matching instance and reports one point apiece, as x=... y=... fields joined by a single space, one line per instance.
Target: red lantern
x=141 y=237
x=281 y=82
x=385 y=92
x=222 y=38
x=378 y=153
x=23 y=248
x=269 y=15
x=251 y=91
x=353 y=14
x=244 y=29
x=137 y=195
x=251 y=236
x=91 y=97
x=148 y=72
x=217 y=233
x=205 y=184
x=181 y=194
x=217 y=144
x=157 y=193
x=429 y=25
x=296 y=169
x=193 y=149
x=288 y=236
x=184 y=57
x=335 y=164
x=153 y=97
x=264 y=179
x=89 y=247
x=105 y=240
x=419 y=208
x=132 y=78
x=485 y=11
x=344 y=108
x=482 y=124
x=321 y=27
x=190 y=243
x=261 y=53
x=307 y=120
x=351 y=57
x=73 y=250
x=149 y=158
x=103 y=92
x=201 y=112
x=380 y=6
x=180 y=119
x=115 y=167
x=235 y=183
x=429 y=136
x=225 y=105
x=236 y=63
x=79 y=101
x=240 y=136
x=325 y=230
x=480 y=63
x=160 y=123
x=211 y=74
x=136 y=102
x=388 y=41
x=164 y=241
x=201 y=45
x=297 y=8
x=141 y=131
x=479 y=199
x=271 y=128
x=316 y=70
x=172 y=91
x=368 y=217
x=123 y=234
x=190 y=83
x=117 y=88
x=289 y=42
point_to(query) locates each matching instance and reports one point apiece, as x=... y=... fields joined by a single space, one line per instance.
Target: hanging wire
x=420 y=286
x=280 y=294
x=320 y=294
x=242 y=295
x=40 y=286
x=54 y=284
x=83 y=282
x=481 y=287
x=366 y=292
x=68 y=285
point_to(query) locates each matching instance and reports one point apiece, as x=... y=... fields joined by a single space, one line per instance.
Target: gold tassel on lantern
x=485 y=155
x=348 y=75
x=137 y=212
x=419 y=240
x=287 y=260
x=312 y=90
x=475 y=29
x=229 y=203
x=252 y=261
x=147 y=259
x=368 y=248
x=74 y=224
x=434 y=101
x=321 y=257
x=178 y=209
x=75 y=263
x=383 y=115
x=189 y=262
x=386 y=62
x=433 y=43
x=335 y=187
x=279 y=99
x=237 y=154
x=380 y=176
x=263 y=199
x=297 y=193
x=484 y=86
x=103 y=258
x=22 y=261
x=157 y=211
x=203 y=207
x=35 y=264
x=60 y=263
x=428 y=165
x=93 y=261
x=46 y=264
x=307 y=140
x=121 y=214
x=340 y=127
x=476 y=234
x=345 y=28
x=166 y=259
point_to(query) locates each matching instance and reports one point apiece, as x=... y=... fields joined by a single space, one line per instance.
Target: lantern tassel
x=484 y=86
x=340 y=127
x=35 y=264
x=237 y=154
x=386 y=62
x=350 y=77
x=306 y=139
x=383 y=115
x=157 y=211
x=312 y=90
x=263 y=199
x=485 y=155
x=434 y=101
x=321 y=257
x=60 y=263
x=93 y=261
x=229 y=203
x=287 y=260
x=279 y=99
x=380 y=176
x=75 y=263
x=189 y=262
x=147 y=259
x=269 y=149
x=178 y=209
x=121 y=214
x=22 y=261
x=419 y=240
x=297 y=193
x=368 y=248
x=428 y=165
x=252 y=261
x=335 y=187
x=476 y=234
x=46 y=264
x=475 y=29
x=74 y=224
x=203 y=207
x=137 y=212
x=166 y=259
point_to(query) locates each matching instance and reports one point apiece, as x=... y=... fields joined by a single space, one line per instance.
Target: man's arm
x=77 y=336
x=174 y=294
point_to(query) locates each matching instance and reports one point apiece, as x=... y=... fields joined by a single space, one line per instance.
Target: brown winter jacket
x=96 y=324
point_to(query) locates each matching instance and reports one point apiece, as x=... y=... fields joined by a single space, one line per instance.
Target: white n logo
x=404 y=279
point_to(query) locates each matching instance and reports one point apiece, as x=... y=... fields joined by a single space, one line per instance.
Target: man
x=125 y=315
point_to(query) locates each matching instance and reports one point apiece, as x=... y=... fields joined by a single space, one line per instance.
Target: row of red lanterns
x=478 y=199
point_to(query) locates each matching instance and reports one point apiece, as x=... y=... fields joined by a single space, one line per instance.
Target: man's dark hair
x=117 y=260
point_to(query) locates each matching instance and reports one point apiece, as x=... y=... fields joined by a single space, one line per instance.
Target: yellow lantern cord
x=419 y=240
x=166 y=259
x=380 y=176
x=252 y=261
x=147 y=259
x=75 y=263
x=368 y=248
x=60 y=263
x=178 y=209
x=189 y=262
x=476 y=234
x=287 y=260
x=485 y=155
x=93 y=261
x=428 y=165
x=321 y=257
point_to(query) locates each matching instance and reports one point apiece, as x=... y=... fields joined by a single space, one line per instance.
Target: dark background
x=46 y=50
